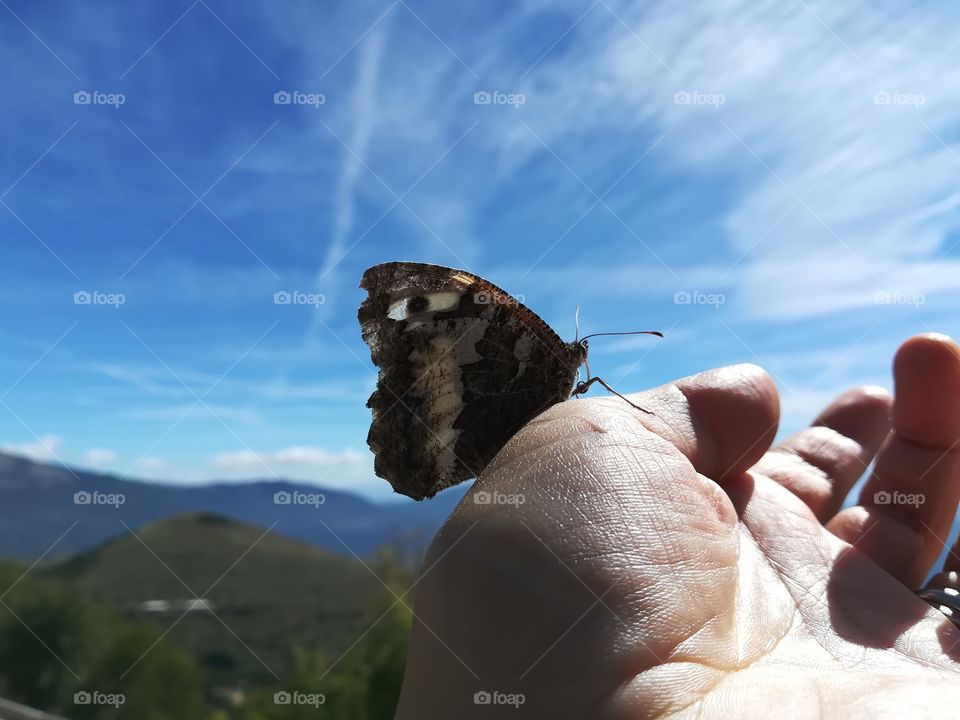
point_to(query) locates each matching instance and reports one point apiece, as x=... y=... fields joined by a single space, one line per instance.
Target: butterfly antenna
x=634 y=332
x=581 y=387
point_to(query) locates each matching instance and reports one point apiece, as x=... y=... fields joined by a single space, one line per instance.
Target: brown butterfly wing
x=462 y=367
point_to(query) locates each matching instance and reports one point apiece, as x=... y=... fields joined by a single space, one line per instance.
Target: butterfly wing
x=462 y=367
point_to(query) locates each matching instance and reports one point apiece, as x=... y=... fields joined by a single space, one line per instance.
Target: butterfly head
x=582 y=347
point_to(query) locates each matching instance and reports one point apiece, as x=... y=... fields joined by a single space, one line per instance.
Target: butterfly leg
x=582 y=387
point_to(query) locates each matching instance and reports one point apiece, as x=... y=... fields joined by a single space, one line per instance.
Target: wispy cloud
x=831 y=128
x=363 y=114
x=797 y=159
x=159 y=382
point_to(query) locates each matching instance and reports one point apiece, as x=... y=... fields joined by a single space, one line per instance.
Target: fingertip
x=926 y=372
x=861 y=414
x=936 y=337
x=868 y=397
x=868 y=394
x=739 y=407
x=850 y=524
x=938 y=343
x=873 y=391
x=934 y=350
x=746 y=385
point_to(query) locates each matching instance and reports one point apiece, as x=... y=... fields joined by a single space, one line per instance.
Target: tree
x=55 y=642
x=156 y=680
x=47 y=637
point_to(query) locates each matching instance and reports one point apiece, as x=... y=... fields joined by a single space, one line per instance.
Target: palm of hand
x=679 y=568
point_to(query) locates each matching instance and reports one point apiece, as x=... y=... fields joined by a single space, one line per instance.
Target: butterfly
x=463 y=366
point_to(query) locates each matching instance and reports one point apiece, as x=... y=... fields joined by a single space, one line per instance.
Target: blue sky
x=789 y=168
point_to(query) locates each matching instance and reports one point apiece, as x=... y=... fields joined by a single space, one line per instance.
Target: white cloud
x=161 y=470
x=151 y=464
x=286 y=460
x=43 y=449
x=98 y=457
x=350 y=469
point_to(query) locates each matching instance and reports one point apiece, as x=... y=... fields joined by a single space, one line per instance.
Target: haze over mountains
x=40 y=503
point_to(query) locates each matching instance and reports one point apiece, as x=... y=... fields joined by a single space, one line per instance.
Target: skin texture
x=674 y=565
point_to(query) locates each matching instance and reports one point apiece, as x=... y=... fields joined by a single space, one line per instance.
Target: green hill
x=266 y=593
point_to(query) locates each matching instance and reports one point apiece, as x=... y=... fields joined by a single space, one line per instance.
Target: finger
x=949 y=577
x=722 y=420
x=822 y=462
x=908 y=503
x=950 y=573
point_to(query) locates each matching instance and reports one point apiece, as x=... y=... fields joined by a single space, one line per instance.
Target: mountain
x=267 y=592
x=39 y=503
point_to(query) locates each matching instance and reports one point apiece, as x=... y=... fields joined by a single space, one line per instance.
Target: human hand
x=673 y=564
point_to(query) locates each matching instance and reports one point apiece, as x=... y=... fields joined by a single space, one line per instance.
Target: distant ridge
x=38 y=506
